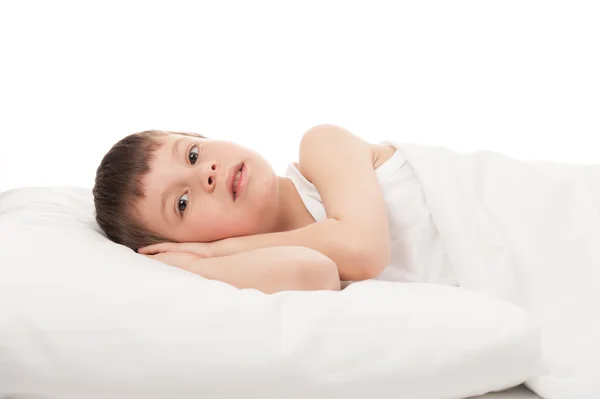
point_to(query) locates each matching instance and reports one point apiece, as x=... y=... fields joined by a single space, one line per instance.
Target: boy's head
x=157 y=186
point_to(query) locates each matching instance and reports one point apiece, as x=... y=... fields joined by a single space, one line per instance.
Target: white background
x=520 y=77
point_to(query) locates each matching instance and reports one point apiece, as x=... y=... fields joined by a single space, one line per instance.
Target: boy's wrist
x=220 y=248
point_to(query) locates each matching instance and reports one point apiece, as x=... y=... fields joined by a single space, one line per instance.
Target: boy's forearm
x=271 y=269
x=320 y=236
x=330 y=237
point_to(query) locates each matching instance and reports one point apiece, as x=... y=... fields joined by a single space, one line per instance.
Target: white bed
x=82 y=317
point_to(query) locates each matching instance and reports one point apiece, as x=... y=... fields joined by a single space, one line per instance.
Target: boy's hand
x=200 y=249
x=181 y=260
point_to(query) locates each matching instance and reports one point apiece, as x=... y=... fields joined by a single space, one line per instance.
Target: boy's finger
x=146 y=250
x=154 y=248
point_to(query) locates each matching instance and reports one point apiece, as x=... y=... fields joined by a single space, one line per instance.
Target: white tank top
x=417 y=253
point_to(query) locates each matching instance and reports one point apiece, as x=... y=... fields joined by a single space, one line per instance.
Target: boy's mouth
x=234 y=179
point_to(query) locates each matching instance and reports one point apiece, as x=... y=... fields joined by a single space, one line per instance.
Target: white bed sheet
x=528 y=233
x=520 y=392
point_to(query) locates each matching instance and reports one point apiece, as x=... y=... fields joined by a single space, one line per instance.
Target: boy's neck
x=291 y=211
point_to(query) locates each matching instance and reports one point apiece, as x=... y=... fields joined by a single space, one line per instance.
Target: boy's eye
x=193 y=155
x=182 y=204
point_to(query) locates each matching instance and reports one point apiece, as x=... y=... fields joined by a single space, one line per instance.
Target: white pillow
x=82 y=317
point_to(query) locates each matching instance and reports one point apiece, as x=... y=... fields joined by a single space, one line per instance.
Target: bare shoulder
x=327 y=137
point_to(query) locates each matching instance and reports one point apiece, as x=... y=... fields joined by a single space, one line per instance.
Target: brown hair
x=118 y=186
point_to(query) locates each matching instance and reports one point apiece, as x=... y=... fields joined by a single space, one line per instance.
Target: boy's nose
x=210 y=173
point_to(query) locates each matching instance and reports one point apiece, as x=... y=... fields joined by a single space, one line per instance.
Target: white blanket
x=527 y=232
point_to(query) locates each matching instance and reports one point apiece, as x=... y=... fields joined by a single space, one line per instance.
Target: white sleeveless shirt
x=417 y=252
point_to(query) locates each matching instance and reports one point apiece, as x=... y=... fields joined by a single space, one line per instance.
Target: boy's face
x=188 y=191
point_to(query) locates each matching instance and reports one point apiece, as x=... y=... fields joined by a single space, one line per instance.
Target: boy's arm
x=329 y=237
x=269 y=270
